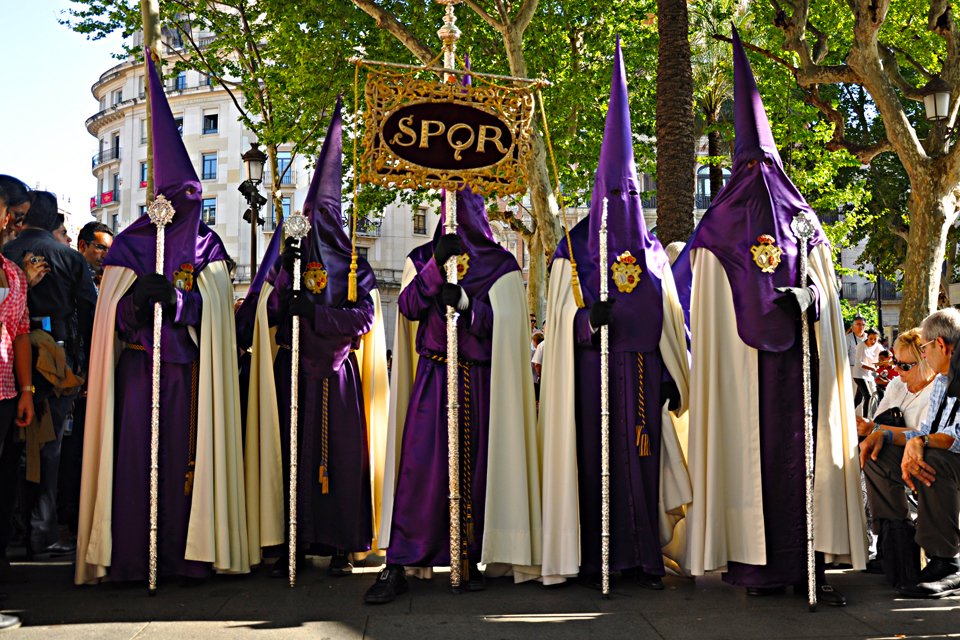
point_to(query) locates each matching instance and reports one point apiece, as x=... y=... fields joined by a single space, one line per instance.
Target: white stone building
x=214 y=139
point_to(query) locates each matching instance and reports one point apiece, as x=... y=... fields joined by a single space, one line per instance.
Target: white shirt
x=852 y=342
x=868 y=356
x=913 y=405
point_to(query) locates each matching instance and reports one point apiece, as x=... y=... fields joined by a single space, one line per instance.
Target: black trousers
x=9 y=466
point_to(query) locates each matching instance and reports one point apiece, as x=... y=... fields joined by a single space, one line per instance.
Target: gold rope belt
x=643 y=439
x=325 y=439
x=466 y=469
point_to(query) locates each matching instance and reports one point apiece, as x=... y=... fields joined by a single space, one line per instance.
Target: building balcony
x=388 y=277
x=105 y=156
x=105 y=198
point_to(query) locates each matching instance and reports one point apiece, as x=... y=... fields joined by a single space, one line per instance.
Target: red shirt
x=14 y=321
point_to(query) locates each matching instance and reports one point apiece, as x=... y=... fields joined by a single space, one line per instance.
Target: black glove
x=447 y=247
x=600 y=313
x=149 y=289
x=152 y=288
x=291 y=251
x=300 y=305
x=794 y=300
x=451 y=295
x=670 y=393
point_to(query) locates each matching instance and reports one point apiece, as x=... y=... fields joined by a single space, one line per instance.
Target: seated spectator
x=927 y=460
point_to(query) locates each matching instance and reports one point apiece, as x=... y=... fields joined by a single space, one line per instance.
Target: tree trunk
x=536 y=273
x=926 y=245
x=675 y=124
x=542 y=199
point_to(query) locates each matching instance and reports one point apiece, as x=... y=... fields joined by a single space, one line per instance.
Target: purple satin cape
x=759 y=199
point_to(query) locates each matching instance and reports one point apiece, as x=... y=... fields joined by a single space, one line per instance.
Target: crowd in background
x=48 y=295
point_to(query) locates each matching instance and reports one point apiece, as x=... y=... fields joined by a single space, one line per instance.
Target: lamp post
x=936 y=99
x=253 y=161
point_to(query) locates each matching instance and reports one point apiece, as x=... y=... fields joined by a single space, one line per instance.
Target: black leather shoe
x=938 y=569
x=340 y=566
x=946 y=586
x=874 y=566
x=759 y=592
x=476 y=581
x=593 y=581
x=829 y=596
x=648 y=581
x=281 y=568
x=390 y=583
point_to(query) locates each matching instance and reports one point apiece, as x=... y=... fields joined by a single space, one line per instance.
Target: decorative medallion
x=315 y=277
x=626 y=272
x=766 y=254
x=183 y=277
x=463 y=265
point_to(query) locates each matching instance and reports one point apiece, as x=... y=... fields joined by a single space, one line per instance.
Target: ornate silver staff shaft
x=604 y=417
x=803 y=229
x=449 y=34
x=297 y=226
x=161 y=213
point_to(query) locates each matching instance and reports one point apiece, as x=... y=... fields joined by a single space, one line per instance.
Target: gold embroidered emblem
x=183 y=277
x=626 y=272
x=315 y=277
x=766 y=254
x=463 y=265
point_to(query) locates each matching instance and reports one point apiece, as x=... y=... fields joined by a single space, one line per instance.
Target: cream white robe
x=265 y=474
x=561 y=518
x=512 y=519
x=217 y=529
x=725 y=522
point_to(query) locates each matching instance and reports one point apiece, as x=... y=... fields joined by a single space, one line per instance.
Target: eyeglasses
x=904 y=366
x=923 y=347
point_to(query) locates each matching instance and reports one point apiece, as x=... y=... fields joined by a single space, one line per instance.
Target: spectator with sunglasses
x=924 y=457
x=909 y=391
x=18 y=203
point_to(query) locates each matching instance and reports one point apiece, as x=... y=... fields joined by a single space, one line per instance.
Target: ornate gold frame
x=387 y=90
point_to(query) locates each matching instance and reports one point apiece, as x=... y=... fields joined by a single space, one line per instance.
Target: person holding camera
x=61 y=304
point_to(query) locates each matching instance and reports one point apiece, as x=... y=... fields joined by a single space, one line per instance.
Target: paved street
x=323 y=607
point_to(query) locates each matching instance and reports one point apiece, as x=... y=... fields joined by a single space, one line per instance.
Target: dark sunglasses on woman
x=904 y=366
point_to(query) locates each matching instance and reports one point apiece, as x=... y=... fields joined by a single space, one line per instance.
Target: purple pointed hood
x=759 y=200
x=488 y=260
x=187 y=240
x=639 y=313
x=327 y=243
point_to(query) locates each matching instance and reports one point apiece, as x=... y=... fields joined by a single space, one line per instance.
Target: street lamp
x=936 y=99
x=253 y=161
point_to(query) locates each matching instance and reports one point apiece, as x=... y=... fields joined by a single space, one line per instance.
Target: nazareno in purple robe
x=761 y=199
x=340 y=519
x=187 y=242
x=420 y=534
x=635 y=330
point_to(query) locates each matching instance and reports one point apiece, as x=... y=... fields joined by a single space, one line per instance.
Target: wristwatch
x=924 y=440
x=32 y=389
